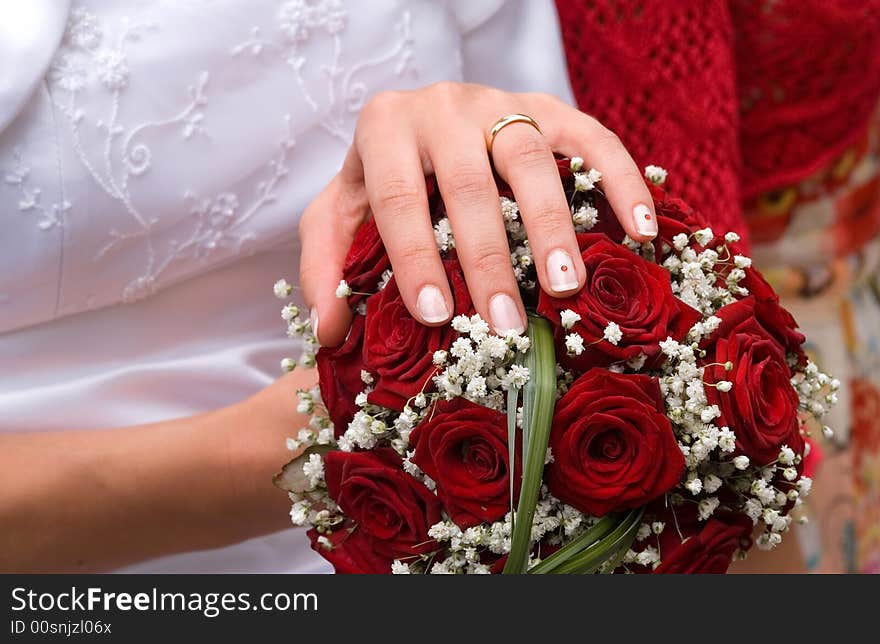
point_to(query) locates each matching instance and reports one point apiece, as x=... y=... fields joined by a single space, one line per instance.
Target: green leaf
x=592 y=557
x=593 y=534
x=539 y=400
x=512 y=399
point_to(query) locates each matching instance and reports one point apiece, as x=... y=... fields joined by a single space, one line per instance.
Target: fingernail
x=560 y=271
x=644 y=220
x=313 y=317
x=432 y=305
x=505 y=315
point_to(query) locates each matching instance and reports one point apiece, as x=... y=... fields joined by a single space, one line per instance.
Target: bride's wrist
x=253 y=448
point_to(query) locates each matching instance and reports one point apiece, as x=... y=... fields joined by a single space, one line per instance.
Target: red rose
x=778 y=322
x=761 y=408
x=814 y=459
x=613 y=446
x=339 y=375
x=350 y=552
x=399 y=350
x=365 y=262
x=463 y=448
x=623 y=288
x=367 y=258
x=674 y=216
x=392 y=511
x=710 y=550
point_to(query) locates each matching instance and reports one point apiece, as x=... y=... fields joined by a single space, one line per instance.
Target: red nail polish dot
x=648 y=216
x=564 y=268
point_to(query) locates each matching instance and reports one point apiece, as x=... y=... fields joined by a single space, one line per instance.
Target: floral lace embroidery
x=301 y=20
x=29 y=200
x=85 y=57
x=93 y=56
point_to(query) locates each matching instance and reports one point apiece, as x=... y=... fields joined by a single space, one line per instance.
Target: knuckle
x=471 y=184
x=490 y=259
x=416 y=258
x=445 y=89
x=397 y=198
x=542 y=100
x=547 y=216
x=632 y=176
x=445 y=95
x=530 y=151
x=381 y=104
x=607 y=138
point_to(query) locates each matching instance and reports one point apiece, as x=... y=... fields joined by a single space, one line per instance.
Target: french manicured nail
x=644 y=220
x=313 y=316
x=432 y=306
x=505 y=315
x=560 y=271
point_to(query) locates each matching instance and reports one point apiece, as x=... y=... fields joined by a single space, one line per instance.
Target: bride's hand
x=441 y=129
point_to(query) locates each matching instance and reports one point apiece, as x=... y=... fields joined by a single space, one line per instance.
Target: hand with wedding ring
x=457 y=132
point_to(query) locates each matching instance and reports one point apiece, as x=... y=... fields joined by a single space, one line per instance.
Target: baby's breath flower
x=343 y=290
x=707 y=507
x=655 y=174
x=288 y=364
x=741 y=462
x=443 y=235
x=694 y=485
x=585 y=217
x=568 y=318
x=282 y=289
x=711 y=483
x=613 y=333
x=680 y=241
x=582 y=182
x=314 y=469
x=742 y=262
x=804 y=484
x=704 y=236
x=670 y=347
x=786 y=455
x=574 y=344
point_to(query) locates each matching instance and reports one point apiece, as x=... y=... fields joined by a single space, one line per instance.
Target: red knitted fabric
x=809 y=80
x=732 y=97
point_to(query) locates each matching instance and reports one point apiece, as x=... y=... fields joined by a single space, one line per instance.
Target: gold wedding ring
x=503 y=122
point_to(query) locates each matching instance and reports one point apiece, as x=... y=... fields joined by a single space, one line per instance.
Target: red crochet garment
x=733 y=97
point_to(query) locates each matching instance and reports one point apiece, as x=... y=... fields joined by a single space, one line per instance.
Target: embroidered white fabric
x=153 y=164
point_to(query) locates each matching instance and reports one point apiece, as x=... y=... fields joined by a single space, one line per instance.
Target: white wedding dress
x=154 y=159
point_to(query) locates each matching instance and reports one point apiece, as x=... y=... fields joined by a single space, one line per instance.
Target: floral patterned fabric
x=818 y=242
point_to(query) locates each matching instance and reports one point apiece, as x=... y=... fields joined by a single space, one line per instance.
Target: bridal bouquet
x=647 y=423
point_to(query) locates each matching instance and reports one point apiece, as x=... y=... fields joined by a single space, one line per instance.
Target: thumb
x=326 y=231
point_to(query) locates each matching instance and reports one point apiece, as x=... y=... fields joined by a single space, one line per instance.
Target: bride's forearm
x=96 y=500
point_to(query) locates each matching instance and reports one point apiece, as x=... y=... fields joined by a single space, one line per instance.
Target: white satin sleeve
x=516 y=47
x=29 y=31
